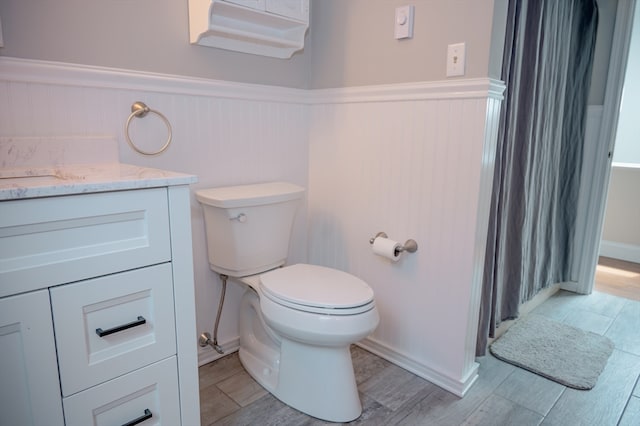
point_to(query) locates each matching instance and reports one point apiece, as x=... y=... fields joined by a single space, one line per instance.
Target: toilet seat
x=317 y=289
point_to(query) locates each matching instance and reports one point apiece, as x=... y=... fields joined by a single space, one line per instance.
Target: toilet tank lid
x=249 y=195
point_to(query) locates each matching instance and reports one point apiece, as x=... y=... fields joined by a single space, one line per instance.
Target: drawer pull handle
x=147 y=415
x=100 y=332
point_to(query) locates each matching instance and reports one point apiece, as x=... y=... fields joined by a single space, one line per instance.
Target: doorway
x=618 y=270
x=597 y=160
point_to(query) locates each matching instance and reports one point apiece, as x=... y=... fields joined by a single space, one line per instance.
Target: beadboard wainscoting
x=415 y=161
x=225 y=133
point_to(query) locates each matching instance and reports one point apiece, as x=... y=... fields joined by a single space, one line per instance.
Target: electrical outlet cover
x=455 y=59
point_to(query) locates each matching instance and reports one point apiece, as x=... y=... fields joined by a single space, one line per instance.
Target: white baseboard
x=621 y=251
x=208 y=354
x=457 y=387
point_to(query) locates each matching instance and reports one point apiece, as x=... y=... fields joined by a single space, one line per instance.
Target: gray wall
x=349 y=43
x=621 y=232
x=142 y=35
x=353 y=42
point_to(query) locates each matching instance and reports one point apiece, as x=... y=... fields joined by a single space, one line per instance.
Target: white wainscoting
x=225 y=133
x=415 y=161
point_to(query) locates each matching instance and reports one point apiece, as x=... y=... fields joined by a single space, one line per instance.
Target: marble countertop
x=31 y=182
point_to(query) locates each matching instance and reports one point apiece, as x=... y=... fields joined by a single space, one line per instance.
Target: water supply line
x=205 y=338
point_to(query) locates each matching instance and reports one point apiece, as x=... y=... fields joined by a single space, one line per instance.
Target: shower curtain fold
x=547 y=70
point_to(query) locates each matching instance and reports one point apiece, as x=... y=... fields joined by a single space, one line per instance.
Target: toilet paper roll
x=387 y=248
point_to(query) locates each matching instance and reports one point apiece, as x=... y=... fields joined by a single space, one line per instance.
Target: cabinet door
x=29 y=386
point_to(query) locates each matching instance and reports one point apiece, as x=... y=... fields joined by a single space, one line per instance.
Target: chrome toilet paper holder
x=410 y=245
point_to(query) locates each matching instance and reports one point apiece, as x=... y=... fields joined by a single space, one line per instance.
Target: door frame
x=596 y=167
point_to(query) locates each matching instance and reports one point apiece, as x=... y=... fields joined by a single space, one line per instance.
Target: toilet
x=296 y=322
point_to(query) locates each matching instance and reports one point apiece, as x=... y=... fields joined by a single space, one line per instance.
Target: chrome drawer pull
x=100 y=332
x=147 y=415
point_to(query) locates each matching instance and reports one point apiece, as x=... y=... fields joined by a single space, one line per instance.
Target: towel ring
x=140 y=109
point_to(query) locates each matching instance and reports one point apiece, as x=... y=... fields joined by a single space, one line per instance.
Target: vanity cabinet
x=97 y=310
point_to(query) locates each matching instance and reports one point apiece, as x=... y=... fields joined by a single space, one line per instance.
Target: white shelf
x=266 y=32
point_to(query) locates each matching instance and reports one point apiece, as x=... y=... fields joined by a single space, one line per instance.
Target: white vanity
x=97 y=310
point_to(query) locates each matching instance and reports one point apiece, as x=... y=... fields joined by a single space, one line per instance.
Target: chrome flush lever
x=242 y=218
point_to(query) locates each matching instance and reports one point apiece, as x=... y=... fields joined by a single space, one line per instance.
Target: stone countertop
x=31 y=182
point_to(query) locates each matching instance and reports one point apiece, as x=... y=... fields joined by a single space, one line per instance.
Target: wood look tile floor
x=503 y=394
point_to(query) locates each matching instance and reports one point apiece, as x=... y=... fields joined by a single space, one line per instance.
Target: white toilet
x=296 y=322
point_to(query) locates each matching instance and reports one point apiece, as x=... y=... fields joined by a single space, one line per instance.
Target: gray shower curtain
x=547 y=70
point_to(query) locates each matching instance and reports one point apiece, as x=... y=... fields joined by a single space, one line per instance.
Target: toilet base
x=318 y=381
x=315 y=378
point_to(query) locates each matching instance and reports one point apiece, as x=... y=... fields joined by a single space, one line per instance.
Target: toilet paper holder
x=410 y=246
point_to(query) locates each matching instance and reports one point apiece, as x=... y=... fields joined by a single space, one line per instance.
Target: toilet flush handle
x=242 y=218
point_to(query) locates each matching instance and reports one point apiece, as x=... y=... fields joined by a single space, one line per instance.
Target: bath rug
x=559 y=352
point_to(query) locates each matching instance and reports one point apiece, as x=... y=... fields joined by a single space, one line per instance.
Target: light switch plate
x=455 y=59
x=404 y=22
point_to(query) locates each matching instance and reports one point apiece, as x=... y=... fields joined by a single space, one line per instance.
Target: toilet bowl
x=297 y=322
x=299 y=350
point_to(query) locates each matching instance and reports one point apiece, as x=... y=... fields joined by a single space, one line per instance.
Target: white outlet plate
x=455 y=59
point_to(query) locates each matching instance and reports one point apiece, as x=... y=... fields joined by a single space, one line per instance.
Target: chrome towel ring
x=140 y=109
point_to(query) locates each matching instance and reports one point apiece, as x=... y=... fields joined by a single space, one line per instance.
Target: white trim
x=621 y=165
x=591 y=153
x=455 y=386
x=622 y=251
x=447 y=89
x=184 y=301
x=46 y=72
x=587 y=259
x=492 y=124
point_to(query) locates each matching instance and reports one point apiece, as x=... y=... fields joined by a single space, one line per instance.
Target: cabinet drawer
x=51 y=241
x=152 y=390
x=112 y=306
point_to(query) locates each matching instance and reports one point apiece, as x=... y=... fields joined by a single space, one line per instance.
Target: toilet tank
x=248 y=227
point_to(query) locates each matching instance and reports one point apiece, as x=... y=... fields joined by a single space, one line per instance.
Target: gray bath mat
x=559 y=352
